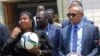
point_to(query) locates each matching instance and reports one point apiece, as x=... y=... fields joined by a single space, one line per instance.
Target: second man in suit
x=51 y=30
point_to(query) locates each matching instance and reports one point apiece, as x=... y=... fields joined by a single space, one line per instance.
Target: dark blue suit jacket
x=89 y=36
x=53 y=34
x=4 y=34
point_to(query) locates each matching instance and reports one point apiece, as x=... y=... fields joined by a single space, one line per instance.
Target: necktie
x=74 y=46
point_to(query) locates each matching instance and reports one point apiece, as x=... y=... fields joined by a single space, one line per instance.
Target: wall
x=92 y=10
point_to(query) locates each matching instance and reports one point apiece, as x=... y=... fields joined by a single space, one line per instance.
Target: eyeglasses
x=71 y=14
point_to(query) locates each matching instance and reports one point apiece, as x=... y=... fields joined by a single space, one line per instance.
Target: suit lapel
x=68 y=37
x=50 y=30
x=84 y=34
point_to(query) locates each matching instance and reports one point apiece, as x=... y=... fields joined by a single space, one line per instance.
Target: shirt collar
x=46 y=29
x=79 y=25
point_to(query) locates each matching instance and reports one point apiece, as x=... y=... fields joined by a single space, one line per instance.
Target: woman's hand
x=15 y=32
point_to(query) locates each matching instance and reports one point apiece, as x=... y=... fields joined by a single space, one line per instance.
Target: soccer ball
x=73 y=54
x=29 y=40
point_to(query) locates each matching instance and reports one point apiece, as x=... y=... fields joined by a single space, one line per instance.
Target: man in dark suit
x=51 y=30
x=4 y=33
x=78 y=37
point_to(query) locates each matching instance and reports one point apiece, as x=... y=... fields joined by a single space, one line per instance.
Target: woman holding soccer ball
x=14 y=46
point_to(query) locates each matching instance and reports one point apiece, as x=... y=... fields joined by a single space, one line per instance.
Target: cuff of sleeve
x=40 y=52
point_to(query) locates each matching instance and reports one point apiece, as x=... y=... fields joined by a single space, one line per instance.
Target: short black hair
x=41 y=5
x=26 y=12
x=50 y=9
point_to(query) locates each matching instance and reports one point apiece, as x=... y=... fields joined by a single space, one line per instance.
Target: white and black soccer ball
x=73 y=54
x=29 y=40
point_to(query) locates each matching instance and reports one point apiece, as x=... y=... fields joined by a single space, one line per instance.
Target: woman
x=13 y=45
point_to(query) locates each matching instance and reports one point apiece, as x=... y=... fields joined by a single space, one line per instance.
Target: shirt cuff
x=40 y=52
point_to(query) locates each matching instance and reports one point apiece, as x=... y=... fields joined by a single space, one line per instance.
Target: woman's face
x=25 y=22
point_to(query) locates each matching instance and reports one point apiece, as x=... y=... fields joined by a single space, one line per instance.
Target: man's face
x=74 y=15
x=41 y=19
x=40 y=8
x=50 y=16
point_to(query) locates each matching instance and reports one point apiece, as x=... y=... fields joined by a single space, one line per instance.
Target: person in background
x=52 y=17
x=85 y=19
x=39 y=8
x=51 y=30
x=79 y=37
x=13 y=45
x=4 y=33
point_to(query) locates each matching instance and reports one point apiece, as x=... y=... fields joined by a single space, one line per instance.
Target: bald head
x=41 y=14
x=77 y=8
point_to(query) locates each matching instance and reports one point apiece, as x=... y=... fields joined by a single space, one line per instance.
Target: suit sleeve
x=61 y=46
x=95 y=38
x=4 y=33
x=9 y=45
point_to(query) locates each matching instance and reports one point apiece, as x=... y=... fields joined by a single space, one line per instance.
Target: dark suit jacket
x=4 y=33
x=89 y=36
x=53 y=34
x=14 y=48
